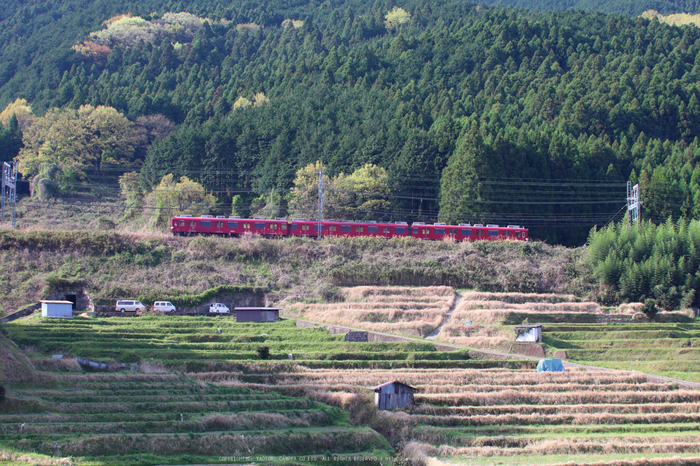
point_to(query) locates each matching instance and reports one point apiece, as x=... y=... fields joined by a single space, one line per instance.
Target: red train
x=236 y=226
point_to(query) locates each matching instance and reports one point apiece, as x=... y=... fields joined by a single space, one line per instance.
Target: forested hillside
x=477 y=114
x=626 y=7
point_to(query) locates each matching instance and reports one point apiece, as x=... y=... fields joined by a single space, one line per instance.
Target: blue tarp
x=550 y=365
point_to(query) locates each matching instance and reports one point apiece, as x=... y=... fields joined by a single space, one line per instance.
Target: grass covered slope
x=666 y=349
x=118 y=265
x=129 y=418
x=194 y=344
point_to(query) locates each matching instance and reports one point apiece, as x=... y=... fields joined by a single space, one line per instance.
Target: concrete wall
x=21 y=313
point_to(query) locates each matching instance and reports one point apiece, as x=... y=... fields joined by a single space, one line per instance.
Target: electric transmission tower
x=9 y=190
x=634 y=204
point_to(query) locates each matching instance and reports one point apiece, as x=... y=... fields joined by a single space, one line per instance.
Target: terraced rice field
x=671 y=349
x=400 y=310
x=120 y=418
x=194 y=344
x=486 y=319
x=501 y=416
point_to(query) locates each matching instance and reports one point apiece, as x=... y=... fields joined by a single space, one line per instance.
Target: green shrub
x=263 y=352
x=650 y=309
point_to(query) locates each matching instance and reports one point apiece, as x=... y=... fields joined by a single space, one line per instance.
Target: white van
x=129 y=306
x=165 y=306
x=218 y=307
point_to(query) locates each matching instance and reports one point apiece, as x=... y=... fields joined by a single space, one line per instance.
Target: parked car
x=218 y=307
x=129 y=306
x=165 y=306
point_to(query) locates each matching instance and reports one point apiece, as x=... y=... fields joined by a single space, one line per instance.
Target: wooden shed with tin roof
x=393 y=394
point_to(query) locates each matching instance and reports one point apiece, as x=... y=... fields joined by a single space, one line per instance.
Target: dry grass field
x=480 y=319
x=400 y=310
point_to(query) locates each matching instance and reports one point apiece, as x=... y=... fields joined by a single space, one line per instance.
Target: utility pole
x=9 y=190
x=634 y=204
x=320 y=201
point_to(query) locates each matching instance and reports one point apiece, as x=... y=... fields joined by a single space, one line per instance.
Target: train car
x=348 y=228
x=264 y=227
x=467 y=232
x=356 y=228
x=231 y=226
x=302 y=227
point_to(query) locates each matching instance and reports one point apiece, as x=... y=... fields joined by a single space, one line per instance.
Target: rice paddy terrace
x=666 y=349
x=218 y=394
x=497 y=416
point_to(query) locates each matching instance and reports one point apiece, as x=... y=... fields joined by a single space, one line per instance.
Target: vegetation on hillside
x=626 y=7
x=116 y=265
x=678 y=19
x=476 y=114
x=645 y=261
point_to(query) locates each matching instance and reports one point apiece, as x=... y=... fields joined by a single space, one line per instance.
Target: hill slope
x=478 y=114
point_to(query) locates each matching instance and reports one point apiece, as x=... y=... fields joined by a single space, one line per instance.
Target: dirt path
x=502 y=354
x=447 y=317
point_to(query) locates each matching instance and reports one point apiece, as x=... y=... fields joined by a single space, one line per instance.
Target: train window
x=233 y=224
x=219 y=224
x=345 y=228
x=400 y=230
x=359 y=229
x=453 y=231
x=294 y=226
x=259 y=225
x=426 y=231
x=182 y=223
x=517 y=234
x=193 y=223
x=246 y=225
x=385 y=230
x=504 y=233
x=439 y=231
x=479 y=232
x=304 y=227
x=273 y=226
x=373 y=229
x=493 y=232
x=415 y=231
x=466 y=232
x=205 y=223
x=284 y=226
x=316 y=227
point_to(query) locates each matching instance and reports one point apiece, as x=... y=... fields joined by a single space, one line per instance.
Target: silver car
x=165 y=306
x=124 y=305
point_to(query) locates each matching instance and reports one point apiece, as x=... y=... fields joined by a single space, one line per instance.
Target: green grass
x=666 y=349
x=194 y=344
x=172 y=420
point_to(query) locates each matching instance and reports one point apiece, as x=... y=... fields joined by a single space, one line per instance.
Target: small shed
x=528 y=333
x=257 y=314
x=59 y=309
x=550 y=365
x=393 y=394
